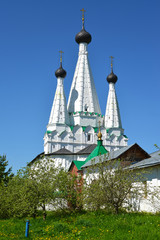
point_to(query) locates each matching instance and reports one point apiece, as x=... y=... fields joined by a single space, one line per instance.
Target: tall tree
x=31 y=189
x=5 y=174
x=69 y=188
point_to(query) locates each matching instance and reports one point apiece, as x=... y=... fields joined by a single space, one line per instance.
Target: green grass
x=90 y=225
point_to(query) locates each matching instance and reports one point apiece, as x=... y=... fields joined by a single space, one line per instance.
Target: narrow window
x=85 y=108
x=89 y=137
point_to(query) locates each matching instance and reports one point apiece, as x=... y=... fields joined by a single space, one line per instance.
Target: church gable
x=134 y=154
x=89 y=129
x=113 y=138
x=54 y=135
x=77 y=130
x=68 y=129
x=64 y=136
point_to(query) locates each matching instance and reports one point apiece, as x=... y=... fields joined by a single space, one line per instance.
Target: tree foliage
x=43 y=186
x=109 y=185
x=40 y=186
x=31 y=189
x=5 y=175
x=70 y=190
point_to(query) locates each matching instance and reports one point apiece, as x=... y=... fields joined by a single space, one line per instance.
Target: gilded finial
x=111 y=63
x=82 y=10
x=61 y=56
x=99 y=135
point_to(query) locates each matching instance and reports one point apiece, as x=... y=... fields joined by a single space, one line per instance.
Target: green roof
x=49 y=131
x=79 y=164
x=125 y=136
x=71 y=127
x=83 y=128
x=99 y=150
x=95 y=129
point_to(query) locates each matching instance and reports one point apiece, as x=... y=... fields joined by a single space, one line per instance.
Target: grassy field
x=91 y=225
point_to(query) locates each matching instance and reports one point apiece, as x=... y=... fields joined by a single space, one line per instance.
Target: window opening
x=89 y=137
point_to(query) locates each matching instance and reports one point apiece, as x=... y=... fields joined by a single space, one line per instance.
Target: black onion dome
x=83 y=37
x=112 y=78
x=60 y=72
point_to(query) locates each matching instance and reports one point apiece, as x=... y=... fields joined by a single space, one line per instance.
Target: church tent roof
x=97 y=151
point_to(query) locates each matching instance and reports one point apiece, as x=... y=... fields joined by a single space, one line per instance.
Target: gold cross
x=61 y=55
x=99 y=123
x=82 y=10
x=111 y=61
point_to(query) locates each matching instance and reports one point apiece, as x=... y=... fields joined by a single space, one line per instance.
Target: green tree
x=5 y=175
x=43 y=175
x=69 y=194
x=111 y=186
x=21 y=196
x=31 y=189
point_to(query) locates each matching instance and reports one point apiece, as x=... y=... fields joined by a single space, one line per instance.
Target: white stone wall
x=148 y=200
x=78 y=139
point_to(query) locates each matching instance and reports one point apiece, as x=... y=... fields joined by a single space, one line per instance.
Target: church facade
x=73 y=126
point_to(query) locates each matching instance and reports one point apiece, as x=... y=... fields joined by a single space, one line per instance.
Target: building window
x=85 y=108
x=89 y=137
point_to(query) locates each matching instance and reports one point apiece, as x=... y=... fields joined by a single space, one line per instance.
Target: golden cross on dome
x=111 y=61
x=61 y=55
x=82 y=10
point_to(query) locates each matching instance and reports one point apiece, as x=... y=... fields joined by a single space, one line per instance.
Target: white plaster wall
x=146 y=201
x=151 y=201
x=78 y=139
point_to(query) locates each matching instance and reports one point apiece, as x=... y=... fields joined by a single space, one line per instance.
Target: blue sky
x=33 y=32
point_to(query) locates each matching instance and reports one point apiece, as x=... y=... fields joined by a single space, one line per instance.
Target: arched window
x=89 y=137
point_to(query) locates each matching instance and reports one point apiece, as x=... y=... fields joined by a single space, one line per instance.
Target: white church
x=72 y=129
x=71 y=134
